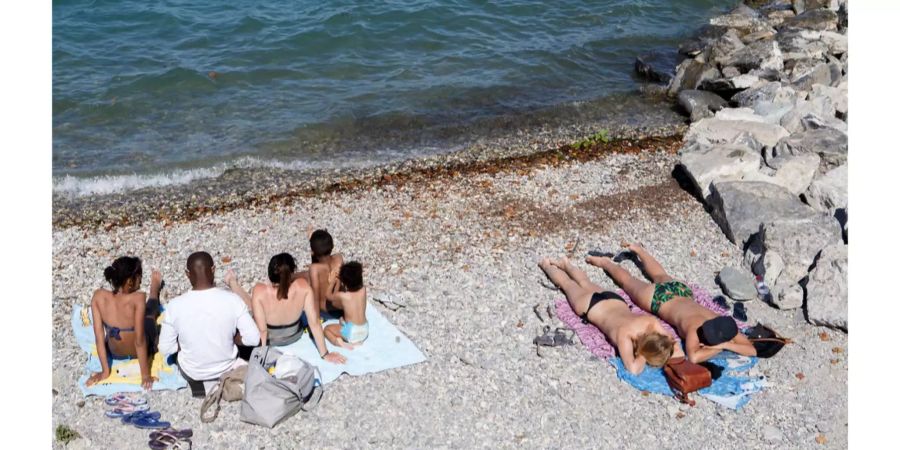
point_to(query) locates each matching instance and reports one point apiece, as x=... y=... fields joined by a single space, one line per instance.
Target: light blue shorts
x=354 y=333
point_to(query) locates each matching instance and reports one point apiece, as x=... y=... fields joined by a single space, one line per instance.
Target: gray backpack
x=269 y=400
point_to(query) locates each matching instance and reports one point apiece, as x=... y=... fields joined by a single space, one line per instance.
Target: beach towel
x=385 y=348
x=125 y=374
x=731 y=386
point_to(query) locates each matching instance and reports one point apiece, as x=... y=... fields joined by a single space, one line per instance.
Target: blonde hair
x=656 y=348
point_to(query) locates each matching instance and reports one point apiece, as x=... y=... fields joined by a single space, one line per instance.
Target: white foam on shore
x=112 y=184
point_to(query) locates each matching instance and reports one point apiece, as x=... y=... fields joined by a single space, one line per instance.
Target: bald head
x=200 y=269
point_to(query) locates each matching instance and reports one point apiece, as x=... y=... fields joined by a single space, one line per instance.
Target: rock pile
x=766 y=92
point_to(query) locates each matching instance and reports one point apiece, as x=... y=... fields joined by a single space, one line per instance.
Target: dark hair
x=122 y=269
x=351 y=276
x=281 y=267
x=321 y=244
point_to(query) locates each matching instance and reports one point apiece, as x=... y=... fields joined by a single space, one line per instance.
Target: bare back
x=120 y=311
x=353 y=305
x=618 y=323
x=685 y=314
x=280 y=311
x=324 y=277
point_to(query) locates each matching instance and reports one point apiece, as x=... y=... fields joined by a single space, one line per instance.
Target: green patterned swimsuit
x=665 y=291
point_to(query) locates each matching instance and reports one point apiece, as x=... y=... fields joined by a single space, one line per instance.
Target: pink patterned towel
x=596 y=341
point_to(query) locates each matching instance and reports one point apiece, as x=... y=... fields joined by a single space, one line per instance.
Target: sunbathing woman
x=279 y=307
x=640 y=339
x=705 y=333
x=124 y=320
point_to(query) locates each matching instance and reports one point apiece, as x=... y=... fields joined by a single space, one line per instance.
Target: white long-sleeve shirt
x=203 y=323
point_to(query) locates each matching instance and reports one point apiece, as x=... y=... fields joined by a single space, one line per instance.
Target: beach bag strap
x=316 y=395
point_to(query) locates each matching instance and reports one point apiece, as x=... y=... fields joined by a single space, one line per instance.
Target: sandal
x=186 y=433
x=149 y=422
x=556 y=339
x=166 y=441
x=130 y=418
x=131 y=398
x=124 y=410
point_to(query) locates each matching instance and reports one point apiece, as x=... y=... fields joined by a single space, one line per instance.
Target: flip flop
x=125 y=410
x=186 y=433
x=168 y=442
x=556 y=339
x=740 y=312
x=625 y=254
x=130 y=418
x=132 y=398
x=600 y=254
x=150 y=423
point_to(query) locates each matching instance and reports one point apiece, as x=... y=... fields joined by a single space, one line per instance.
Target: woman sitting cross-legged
x=640 y=339
x=124 y=319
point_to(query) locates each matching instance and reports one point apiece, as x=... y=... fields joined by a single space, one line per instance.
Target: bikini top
x=115 y=332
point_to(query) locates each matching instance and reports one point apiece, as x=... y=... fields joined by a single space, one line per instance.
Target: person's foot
x=156 y=283
x=599 y=261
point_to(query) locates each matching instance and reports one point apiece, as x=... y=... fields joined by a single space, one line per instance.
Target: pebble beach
x=459 y=252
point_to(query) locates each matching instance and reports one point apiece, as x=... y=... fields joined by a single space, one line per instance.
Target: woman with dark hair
x=124 y=320
x=279 y=306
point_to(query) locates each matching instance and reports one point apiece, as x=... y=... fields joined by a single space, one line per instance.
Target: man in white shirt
x=200 y=326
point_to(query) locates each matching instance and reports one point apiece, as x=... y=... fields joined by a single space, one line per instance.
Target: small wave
x=114 y=184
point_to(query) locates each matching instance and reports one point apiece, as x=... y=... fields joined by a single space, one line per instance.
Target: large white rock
x=819 y=106
x=741 y=207
x=837 y=95
x=829 y=192
x=826 y=289
x=746 y=114
x=718 y=163
x=836 y=42
x=830 y=144
x=795 y=173
x=713 y=131
x=798 y=241
x=788 y=296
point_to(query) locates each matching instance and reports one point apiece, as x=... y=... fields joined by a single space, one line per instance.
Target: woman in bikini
x=705 y=333
x=278 y=307
x=640 y=339
x=124 y=320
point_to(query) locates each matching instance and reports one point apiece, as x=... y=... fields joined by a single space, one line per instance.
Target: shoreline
x=252 y=188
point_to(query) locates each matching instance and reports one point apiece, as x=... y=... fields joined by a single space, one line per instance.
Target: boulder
x=769 y=265
x=739 y=114
x=836 y=42
x=837 y=96
x=730 y=72
x=738 y=284
x=815 y=122
x=700 y=104
x=829 y=192
x=651 y=72
x=788 y=296
x=801 y=45
x=795 y=173
x=717 y=131
x=767 y=91
x=798 y=241
x=741 y=207
x=758 y=36
x=743 y=23
x=819 y=106
x=757 y=55
x=826 y=289
x=828 y=143
x=716 y=164
x=701 y=40
x=689 y=74
x=815 y=19
x=804 y=77
x=778 y=16
x=721 y=48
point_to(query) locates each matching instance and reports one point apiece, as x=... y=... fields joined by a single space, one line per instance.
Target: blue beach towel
x=125 y=373
x=385 y=348
x=732 y=388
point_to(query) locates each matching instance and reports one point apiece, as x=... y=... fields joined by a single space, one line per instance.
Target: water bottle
x=761 y=287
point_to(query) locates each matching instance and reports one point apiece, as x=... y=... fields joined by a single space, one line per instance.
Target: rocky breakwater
x=766 y=91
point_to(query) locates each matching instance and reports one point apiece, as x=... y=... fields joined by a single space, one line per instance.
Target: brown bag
x=230 y=388
x=685 y=377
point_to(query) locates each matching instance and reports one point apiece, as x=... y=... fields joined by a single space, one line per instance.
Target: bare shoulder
x=137 y=296
x=338 y=259
x=300 y=283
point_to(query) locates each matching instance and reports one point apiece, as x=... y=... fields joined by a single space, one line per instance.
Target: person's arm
x=168 y=335
x=740 y=345
x=260 y=317
x=99 y=336
x=235 y=286
x=315 y=327
x=698 y=353
x=140 y=340
x=677 y=351
x=247 y=327
x=634 y=364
